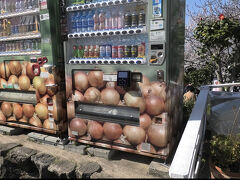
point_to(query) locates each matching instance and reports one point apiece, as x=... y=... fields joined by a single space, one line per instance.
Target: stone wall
x=17 y=161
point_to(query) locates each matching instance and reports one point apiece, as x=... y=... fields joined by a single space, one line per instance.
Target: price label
x=145 y=147
x=75 y=133
x=51 y=125
x=44 y=17
x=44 y=74
x=109 y=77
x=50 y=108
x=43 y=4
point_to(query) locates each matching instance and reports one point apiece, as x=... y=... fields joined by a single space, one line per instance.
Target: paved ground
x=124 y=165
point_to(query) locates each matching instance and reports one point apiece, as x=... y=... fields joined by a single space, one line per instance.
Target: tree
x=209 y=10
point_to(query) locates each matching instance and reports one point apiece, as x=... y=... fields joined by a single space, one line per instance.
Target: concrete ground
x=122 y=165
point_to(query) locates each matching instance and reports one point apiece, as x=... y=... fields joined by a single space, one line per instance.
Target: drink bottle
x=96 y=20
x=79 y=22
x=90 y=21
x=101 y=20
x=108 y=20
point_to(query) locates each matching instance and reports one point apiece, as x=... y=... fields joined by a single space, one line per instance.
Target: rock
x=21 y=157
x=86 y=169
x=63 y=168
x=4 y=148
x=101 y=175
x=42 y=161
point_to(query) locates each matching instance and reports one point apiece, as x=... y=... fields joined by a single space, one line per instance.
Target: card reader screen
x=123 y=74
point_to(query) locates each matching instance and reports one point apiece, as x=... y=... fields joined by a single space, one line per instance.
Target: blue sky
x=190 y=4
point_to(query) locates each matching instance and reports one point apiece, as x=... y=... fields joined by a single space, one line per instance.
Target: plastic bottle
x=79 y=22
x=84 y=22
x=114 y=20
x=120 y=18
x=141 y=18
x=96 y=20
x=90 y=21
x=17 y=6
x=102 y=20
x=73 y=23
x=108 y=20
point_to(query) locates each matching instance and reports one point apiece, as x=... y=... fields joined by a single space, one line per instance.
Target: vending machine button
x=77 y=62
x=153 y=60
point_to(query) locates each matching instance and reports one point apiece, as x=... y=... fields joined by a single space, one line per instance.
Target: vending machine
x=124 y=74
x=32 y=85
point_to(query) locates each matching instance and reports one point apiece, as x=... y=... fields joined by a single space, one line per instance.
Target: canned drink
x=120 y=51
x=127 y=20
x=96 y=51
x=85 y=52
x=114 y=51
x=91 y=51
x=141 y=18
x=80 y=51
x=134 y=22
x=108 y=51
x=134 y=49
x=127 y=51
x=102 y=51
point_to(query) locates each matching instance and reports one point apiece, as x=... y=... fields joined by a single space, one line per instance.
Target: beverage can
x=108 y=51
x=134 y=19
x=96 y=51
x=134 y=49
x=80 y=51
x=141 y=18
x=127 y=20
x=120 y=51
x=85 y=52
x=75 y=54
x=114 y=51
x=91 y=51
x=127 y=51
x=102 y=51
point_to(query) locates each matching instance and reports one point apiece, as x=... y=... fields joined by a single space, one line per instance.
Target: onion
x=113 y=84
x=24 y=119
x=15 y=67
x=158 y=134
x=53 y=89
x=7 y=109
x=78 y=96
x=12 y=118
x=92 y=95
x=17 y=110
x=70 y=110
x=29 y=70
x=154 y=105
x=2 y=116
x=3 y=83
x=133 y=99
x=145 y=121
x=24 y=82
x=81 y=81
x=24 y=68
x=159 y=89
x=13 y=80
x=28 y=110
x=78 y=125
x=68 y=86
x=49 y=125
x=110 y=96
x=57 y=107
x=135 y=135
x=43 y=100
x=95 y=79
x=42 y=111
x=112 y=131
x=95 y=129
x=4 y=70
x=145 y=81
x=38 y=83
x=35 y=122
x=146 y=90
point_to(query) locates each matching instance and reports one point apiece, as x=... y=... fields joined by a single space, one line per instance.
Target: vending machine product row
x=32 y=85
x=124 y=74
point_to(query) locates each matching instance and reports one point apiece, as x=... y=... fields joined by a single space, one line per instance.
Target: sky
x=190 y=4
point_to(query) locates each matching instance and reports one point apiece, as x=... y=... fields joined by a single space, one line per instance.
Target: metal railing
x=187 y=159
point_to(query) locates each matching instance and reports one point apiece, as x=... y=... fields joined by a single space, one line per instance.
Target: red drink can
x=114 y=51
x=120 y=51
